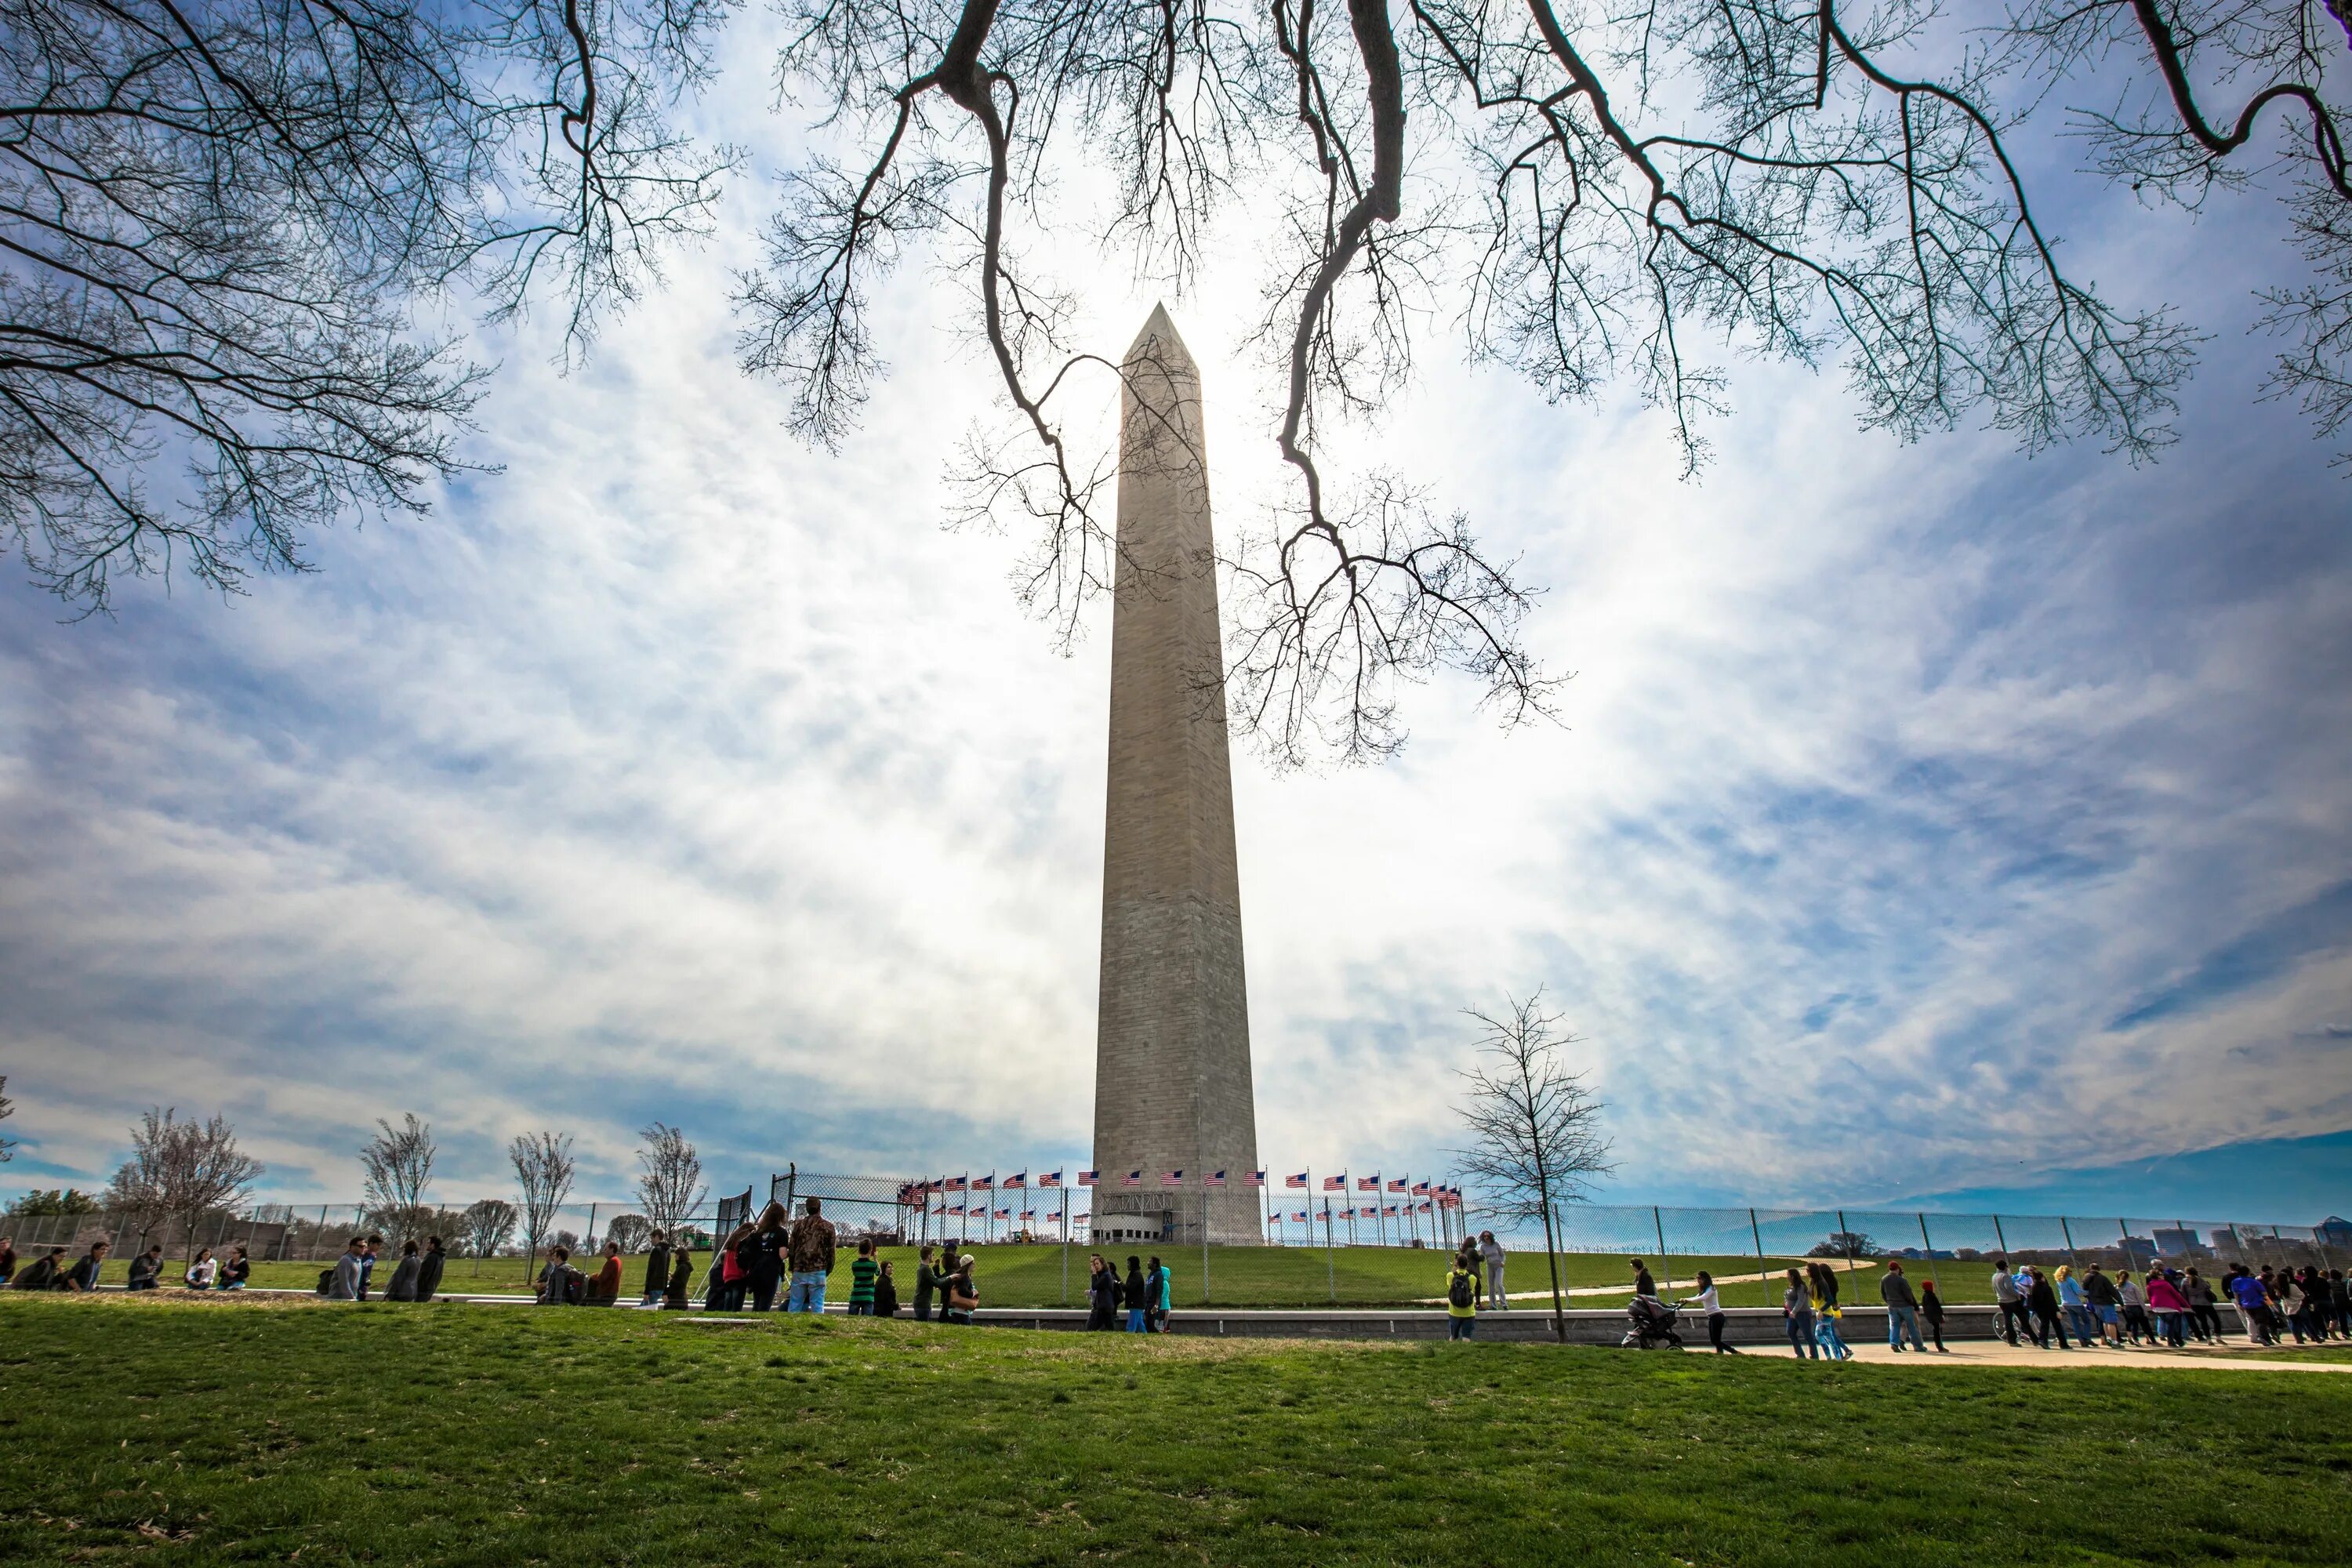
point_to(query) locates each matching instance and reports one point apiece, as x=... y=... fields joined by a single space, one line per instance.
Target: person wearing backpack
x=344 y=1279
x=1461 y=1301
x=558 y=1281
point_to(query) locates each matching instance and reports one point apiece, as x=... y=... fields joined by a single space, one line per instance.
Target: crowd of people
x=2167 y=1305
x=52 y=1271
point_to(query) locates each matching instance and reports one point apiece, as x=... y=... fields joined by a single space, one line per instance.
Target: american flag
x=1425 y=1208
x=1017 y=1179
x=1255 y=1179
x=1367 y=1183
x=1299 y=1181
x=1216 y=1179
x=1004 y=1214
x=1335 y=1183
x=1172 y=1178
x=1051 y=1179
x=953 y=1208
x=1298 y=1217
x=1422 y=1188
x=1088 y=1178
x=1396 y=1184
x=1132 y=1178
x=1389 y=1212
x=958 y=1184
x=986 y=1183
x=1028 y=1214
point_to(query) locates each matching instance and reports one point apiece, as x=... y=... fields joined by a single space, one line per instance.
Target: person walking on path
x=963 y=1292
x=1931 y=1312
x=2107 y=1305
x=345 y=1284
x=810 y=1252
x=555 y=1280
x=2246 y=1290
x=2072 y=1302
x=2171 y=1307
x=2204 y=1308
x=656 y=1270
x=1138 y=1304
x=2042 y=1302
x=1707 y=1302
x=886 y=1293
x=863 y=1272
x=2135 y=1308
x=681 y=1274
x=236 y=1271
x=1160 y=1294
x=429 y=1267
x=1822 y=1283
x=198 y=1275
x=1902 y=1309
x=929 y=1281
x=402 y=1287
x=1797 y=1317
x=2011 y=1302
x=605 y=1290
x=146 y=1270
x=764 y=1266
x=1491 y=1254
x=1102 y=1295
x=1461 y=1301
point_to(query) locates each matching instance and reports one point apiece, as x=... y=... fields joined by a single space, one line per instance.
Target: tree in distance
x=543 y=1170
x=179 y=1171
x=230 y=228
x=630 y=1232
x=396 y=1166
x=671 y=1187
x=62 y=1201
x=1535 y=1130
x=7 y=1110
x=489 y=1224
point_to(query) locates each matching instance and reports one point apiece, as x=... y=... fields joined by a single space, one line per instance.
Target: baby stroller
x=1651 y=1323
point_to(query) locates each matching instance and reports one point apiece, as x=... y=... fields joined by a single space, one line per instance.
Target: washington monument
x=1172 y=1052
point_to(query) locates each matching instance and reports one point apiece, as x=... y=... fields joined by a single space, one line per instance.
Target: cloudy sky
x=1927 y=823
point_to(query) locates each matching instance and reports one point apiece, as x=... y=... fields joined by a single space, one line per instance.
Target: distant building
x=2172 y=1243
x=2335 y=1231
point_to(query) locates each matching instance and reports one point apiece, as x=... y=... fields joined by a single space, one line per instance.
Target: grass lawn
x=184 y=1431
x=1238 y=1276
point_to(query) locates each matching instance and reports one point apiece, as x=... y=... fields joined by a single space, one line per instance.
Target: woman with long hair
x=1821 y=1285
x=733 y=1266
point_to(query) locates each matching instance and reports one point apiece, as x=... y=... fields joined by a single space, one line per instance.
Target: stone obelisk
x=1171 y=1055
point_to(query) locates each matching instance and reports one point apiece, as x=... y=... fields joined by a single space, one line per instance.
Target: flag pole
x=1330 y=1271
x=1066 y=1246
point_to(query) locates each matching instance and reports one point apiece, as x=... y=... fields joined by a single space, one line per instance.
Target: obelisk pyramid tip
x=1158 y=336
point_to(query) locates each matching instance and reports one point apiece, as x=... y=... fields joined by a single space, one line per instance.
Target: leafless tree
x=398 y=1166
x=1535 y=1130
x=630 y=1231
x=488 y=1224
x=7 y=1110
x=219 y=223
x=543 y=1170
x=179 y=1171
x=671 y=1188
x=1586 y=191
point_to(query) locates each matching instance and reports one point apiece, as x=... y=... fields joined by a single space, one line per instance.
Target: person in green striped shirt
x=862 y=1275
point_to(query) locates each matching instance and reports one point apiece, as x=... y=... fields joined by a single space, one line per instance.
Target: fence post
x=2068 y=1231
x=1330 y=1273
x=1846 y=1234
x=1999 y=1236
x=318 y=1240
x=1204 y=1240
x=1763 y=1287
x=1658 y=1224
x=1066 y=1246
x=589 y=1243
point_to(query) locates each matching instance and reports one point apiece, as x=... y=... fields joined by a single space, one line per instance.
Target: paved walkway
x=1997 y=1352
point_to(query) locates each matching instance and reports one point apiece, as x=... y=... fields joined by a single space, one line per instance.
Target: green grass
x=183 y=1432
x=1238 y=1276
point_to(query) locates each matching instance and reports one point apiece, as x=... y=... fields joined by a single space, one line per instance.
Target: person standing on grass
x=403 y=1284
x=863 y=1272
x=656 y=1270
x=236 y=1271
x=1707 y=1302
x=146 y=1270
x=1163 y=1295
x=769 y=1255
x=429 y=1267
x=344 y=1279
x=1461 y=1300
x=1102 y=1294
x=1138 y=1304
x=1491 y=1254
x=1931 y=1312
x=1797 y=1317
x=198 y=1275
x=2010 y=1302
x=1902 y=1309
x=605 y=1290
x=733 y=1263
x=811 y=1254
x=681 y=1274
x=886 y=1293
